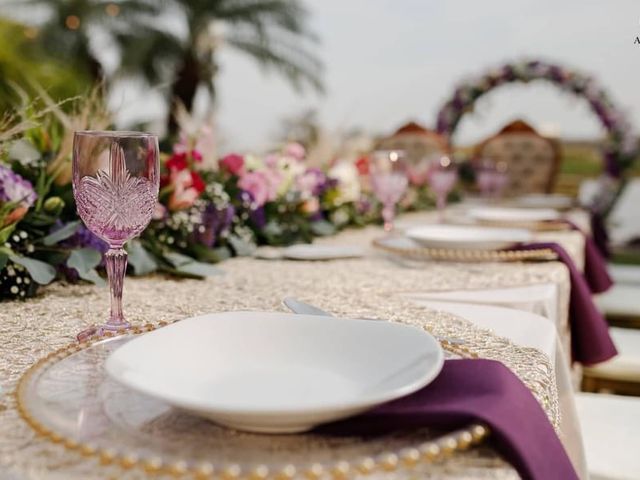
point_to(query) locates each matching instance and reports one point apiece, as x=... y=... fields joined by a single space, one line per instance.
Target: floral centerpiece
x=208 y=209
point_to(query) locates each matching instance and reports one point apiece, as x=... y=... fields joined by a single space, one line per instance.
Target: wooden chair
x=621 y=374
x=531 y=159
x=417 y=141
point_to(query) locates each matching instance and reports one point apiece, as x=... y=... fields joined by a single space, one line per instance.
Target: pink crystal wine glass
x=492 y=178
x=115 y=185
x=442 y=179
x=389 y=181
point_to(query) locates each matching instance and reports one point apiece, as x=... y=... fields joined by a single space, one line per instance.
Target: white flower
x=289 y=169
x=348 y=182
x=253 y=162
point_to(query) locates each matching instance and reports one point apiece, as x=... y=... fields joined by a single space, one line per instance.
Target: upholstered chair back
x=531 y=159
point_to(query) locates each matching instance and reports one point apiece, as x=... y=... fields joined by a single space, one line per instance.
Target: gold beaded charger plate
x=545 y=226
x=404 y=247
x=67 y=398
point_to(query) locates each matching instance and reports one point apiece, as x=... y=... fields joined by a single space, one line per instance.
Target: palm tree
x=274 y=33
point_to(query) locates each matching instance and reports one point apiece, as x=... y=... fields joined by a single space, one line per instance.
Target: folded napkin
x=600 y=234
x=468 y=391
x=590 y=339
x=595 y=265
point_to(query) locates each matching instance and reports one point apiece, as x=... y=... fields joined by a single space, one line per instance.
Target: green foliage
x=274 y=33
x=140 y=259
x=84 y=261
x=41 y=272
x=23 y=62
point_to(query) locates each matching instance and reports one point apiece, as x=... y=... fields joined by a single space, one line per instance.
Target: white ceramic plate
x=513 y=215
x=471 y=237
x=321 y=252
x=276 y=372
x=540 y=200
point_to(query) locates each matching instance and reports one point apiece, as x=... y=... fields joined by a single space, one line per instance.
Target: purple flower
x=14 y=188
x=611 y=164
x=507 y=73
x=312 y=182
x=215 y=221
x=83 y=238
x=258 y=217
x=363 y=206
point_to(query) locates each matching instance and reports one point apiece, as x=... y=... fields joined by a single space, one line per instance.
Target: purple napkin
x=590 y=339
x=595 y=266
x=469 y=391
x=600 y=234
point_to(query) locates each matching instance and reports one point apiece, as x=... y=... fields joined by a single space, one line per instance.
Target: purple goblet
x=115 y=185
x=442 y=179
x=389 y=181
x=491 y=178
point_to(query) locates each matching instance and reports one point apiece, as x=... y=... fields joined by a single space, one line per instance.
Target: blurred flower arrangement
x=208 y=209
x=40 y=236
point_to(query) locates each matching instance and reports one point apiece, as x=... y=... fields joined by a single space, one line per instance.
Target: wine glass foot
x=101 y=330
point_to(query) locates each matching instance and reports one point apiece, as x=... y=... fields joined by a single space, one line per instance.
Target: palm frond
x=283 y=54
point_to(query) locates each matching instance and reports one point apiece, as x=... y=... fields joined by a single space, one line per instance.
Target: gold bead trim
x=542 y=226
x=464 y=255
x=426 y=452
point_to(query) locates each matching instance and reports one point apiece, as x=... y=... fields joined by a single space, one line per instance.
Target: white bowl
x=471 y=237
x=276 y=372
x=513 y=215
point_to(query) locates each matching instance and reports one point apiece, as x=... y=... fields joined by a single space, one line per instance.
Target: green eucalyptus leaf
x=6 y=232
x=322 y=228
x=140 y=259
x=4 y=258
x=177 y=259
x=85 y=260
x=272 y=228
x=205 y=254
x=188 y=265
x=61 y=234
x=41 y=272
x=199 y=268
x=240 y=246
x=92 y=276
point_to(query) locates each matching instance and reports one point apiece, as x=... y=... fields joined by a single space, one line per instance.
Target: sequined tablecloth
x=366 y=287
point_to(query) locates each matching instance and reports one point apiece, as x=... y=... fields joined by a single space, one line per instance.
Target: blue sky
x=389 y=61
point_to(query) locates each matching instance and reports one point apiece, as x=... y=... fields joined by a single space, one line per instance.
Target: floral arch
x=621 y=146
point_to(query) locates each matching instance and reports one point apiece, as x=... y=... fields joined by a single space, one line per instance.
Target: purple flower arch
x=621 y=147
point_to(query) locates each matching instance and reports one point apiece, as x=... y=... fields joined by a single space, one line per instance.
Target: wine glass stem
x=441 y=203
x=388 y=215
x=116 y=262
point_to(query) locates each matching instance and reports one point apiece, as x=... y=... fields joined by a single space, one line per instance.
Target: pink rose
x=257 y=184
x=184 y=193
x=274 y=179
x=159 y=211
x=233 y=163
x=295 y=150
x=271 y=160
